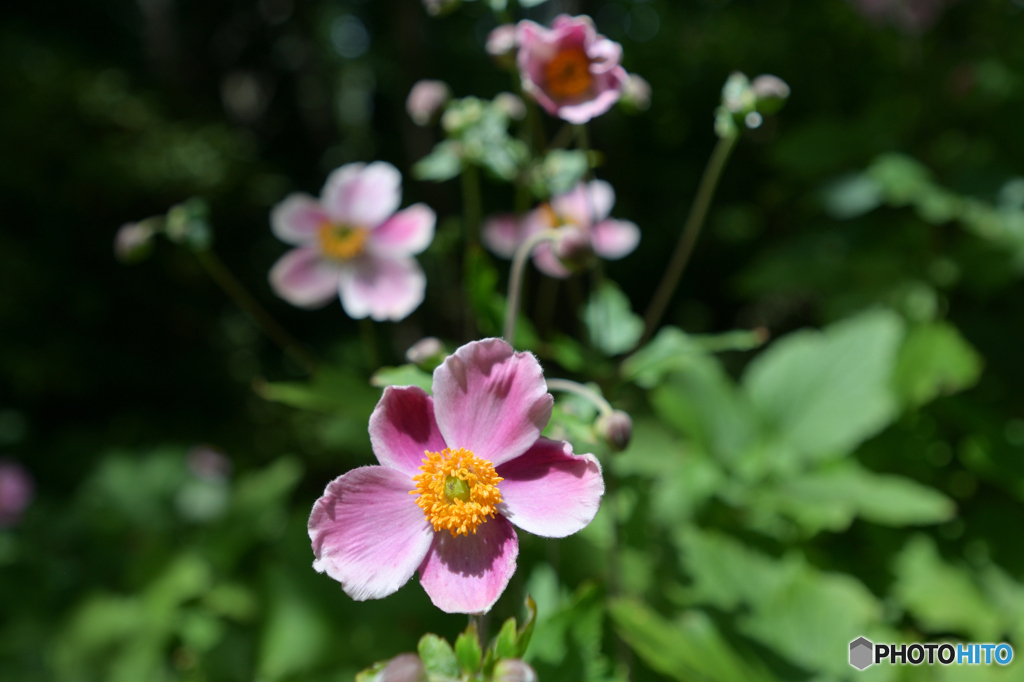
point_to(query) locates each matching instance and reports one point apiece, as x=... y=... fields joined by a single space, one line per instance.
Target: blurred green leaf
x=295 y=635
x=505 y=642
x=329 y=390
x=611 y=323
x=467 y=650
x=403 y=375
x=673 y=349
x=443 y=163
x=438 y=656
x=934 y=360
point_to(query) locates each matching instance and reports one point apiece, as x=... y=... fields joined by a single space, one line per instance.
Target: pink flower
x=16 y=492
x=425 y=100
x=502 y=40
x=474 y=462
x=570 y=69
x=582 y=213
x=352 y=243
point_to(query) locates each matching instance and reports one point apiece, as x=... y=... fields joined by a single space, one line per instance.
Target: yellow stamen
x=568 y=74
x=442 y=489
x=342 y=242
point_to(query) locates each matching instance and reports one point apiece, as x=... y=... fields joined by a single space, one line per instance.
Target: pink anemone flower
x=352 y=244
x=456 y=471
x=582 y=213
x=570 y=69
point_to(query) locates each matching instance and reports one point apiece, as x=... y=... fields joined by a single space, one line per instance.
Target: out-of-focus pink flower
x=512 y=105
x=570 y=69
x=208 y=463
x=582 y=212
x=133 y=242
x=486 y=467
x=426 y=99
x=403 y=668
x=351 y=243
x=911 y=16
x=637 y=92
x=513 y=670
x=502 y=40
x=16 y=492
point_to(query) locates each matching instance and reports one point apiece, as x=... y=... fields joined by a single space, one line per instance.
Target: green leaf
x=852 y=196
x=823 y=393
x=559 y=172
x=330 y=390
x=612 y=325
x=295 y=634
x=942 y=597
x=934 y=360
x=505 y=643
x=673 y=349
x=437 y=655
x=467 y=650
x=403 y=375
x=690 y=649
x=525 y=632
x=444 y=162
x=830 y=499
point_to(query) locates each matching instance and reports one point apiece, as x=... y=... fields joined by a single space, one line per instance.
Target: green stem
x=515 y=280
x=220 y=274
x=688 y=237
x=568 y=386
x=471 y=204
x=480 y=621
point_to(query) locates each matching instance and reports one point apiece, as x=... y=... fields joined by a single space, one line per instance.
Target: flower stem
x=515 y=279
x=234 y=289
x=480 y=621
x=688 y=237
x=471 y=203
x=568 y=386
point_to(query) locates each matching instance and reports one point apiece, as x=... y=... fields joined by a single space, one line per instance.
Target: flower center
x=568 y=74
x=342 y=242
x=457 y=490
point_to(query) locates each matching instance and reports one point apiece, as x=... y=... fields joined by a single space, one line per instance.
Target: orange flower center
x=568 y=74
x=342 y=242
x=457 y=490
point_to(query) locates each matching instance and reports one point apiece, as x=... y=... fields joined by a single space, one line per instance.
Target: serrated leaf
x=437 y=655
x=934 y=360
x=612 y=325
x=823 y=393
x=403 y=375
x=468 y=653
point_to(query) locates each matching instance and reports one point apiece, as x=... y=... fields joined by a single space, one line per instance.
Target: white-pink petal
x=546 y=261
x=586 y=203
x=368 y=533
x=361 y=195
x=502 y=234
x=467 y=573
x=304 y=278
x=614 y=239
x=403 y=428
x=381 y=288
x=298 y=219
x=549 y=491
x=407 y=232
x=491 y=400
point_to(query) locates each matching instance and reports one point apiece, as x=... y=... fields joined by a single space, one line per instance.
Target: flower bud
x=436 y=8
x=502 y=41
x=574 y=248
x=637 y=93
x=428 y=352
x=187 y=224
x=616 y=428
x=133 y=242
x=511 y=105
x=16 y=492
x=513 y=670
x=771 y=93
x=426 y=98
x=403 y=668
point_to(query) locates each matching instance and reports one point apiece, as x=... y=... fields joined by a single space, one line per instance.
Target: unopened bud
x=771 y=93
x=187 y=224
x=616 y=428
x=403 y=668
x=512 y=105
x=428 y=352
x=502 y=41
x=425 y=100
x=133 y=242
x=637 y=93
x=574 y=248
x=513 y=670
x=436 y=8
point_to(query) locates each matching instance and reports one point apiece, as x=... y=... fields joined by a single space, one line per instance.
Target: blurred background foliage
x=778 y=499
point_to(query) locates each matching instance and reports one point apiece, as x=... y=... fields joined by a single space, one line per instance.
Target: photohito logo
x=864 y=652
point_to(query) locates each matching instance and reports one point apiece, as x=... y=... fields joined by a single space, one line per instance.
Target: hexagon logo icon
x=860 y=653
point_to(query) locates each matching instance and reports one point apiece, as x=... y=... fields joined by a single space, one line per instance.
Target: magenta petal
x=585 y=204
x=549 y=491
x=491 y=400
x=303 y=278
x=363 y=196
x=368 y=533
x=408 y=232
x=467 y=573
x=297 y=219
x=402 y=428
x=613 y=239
x=381 y=288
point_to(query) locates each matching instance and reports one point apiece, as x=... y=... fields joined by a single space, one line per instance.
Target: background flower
x=370 y=534
x=570 y=69
x=352 y=243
